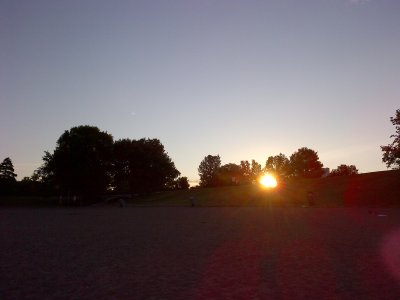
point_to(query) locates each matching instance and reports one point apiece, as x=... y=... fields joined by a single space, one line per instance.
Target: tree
x=245 y=170
x=256 y=170
x=123 y=154
x=279 y=165
x=391 y=152
x=7 y=170
x=229 y=174
x=43 y=178
x=344 y=170
x=7 y=177
x=208 y=169
x=305 y=163
x=80 y=164
x=181 y=183
x=46 y=172
x=142 y=166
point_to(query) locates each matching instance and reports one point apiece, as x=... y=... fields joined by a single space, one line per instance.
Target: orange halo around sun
x=268 y=181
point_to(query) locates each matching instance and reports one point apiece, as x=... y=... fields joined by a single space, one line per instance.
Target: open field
x=199 y=253
x=377 y=189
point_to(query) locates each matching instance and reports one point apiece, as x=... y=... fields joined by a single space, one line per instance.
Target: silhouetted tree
x=181 y=183
x=245 y=170
x=7 y=177
x=124 y=155
x=256 y=170
x=344 y=170
x=46 y=172
x=305 y=163
x=391 y=152
x=80 y=164
x=7 y=170
x=208 y=170
x=142 y=166
x=43 y=178
x=229 y=174
x=279 y=165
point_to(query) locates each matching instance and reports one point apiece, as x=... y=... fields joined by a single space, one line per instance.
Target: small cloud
x=133 y=113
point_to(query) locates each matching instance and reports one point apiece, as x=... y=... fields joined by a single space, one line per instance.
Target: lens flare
x=268 y=181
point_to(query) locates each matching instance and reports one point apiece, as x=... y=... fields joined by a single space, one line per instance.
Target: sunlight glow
x=268 y=181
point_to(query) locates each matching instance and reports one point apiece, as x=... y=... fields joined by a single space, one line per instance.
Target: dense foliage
x=229 y=174
x=391 y=152
x=208 y=170
x=278 y=165
x=181 y=183
x=7 y=170
x=7 y=177
x=80 y=164
x=142 y=166
x=87 y=162
x=344 y=170
x=304 y=163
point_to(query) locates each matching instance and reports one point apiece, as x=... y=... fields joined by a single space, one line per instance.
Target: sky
x=242 y=79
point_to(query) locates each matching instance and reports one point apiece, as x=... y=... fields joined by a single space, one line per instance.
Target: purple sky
x=242 y=79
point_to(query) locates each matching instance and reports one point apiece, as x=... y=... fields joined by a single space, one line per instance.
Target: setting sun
x=268 y=181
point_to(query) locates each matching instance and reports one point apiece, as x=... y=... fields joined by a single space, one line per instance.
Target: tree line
x=304 y=163
x=87 y=162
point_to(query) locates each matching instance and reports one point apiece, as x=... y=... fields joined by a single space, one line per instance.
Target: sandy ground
x=199 y=253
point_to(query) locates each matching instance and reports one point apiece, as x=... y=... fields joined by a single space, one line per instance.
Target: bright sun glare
x=268 y=181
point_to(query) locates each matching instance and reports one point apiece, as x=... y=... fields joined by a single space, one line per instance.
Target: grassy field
x=368 y=189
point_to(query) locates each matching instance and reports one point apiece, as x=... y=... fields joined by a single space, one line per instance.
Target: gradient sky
x=242 y=79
